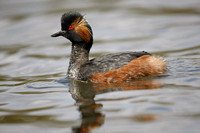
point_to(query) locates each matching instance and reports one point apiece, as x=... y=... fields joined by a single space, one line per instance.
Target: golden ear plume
x=80 y=26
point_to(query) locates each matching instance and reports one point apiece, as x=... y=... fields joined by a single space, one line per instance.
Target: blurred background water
x=34 y=97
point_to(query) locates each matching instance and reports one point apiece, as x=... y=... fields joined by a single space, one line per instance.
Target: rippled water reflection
x=36 y=97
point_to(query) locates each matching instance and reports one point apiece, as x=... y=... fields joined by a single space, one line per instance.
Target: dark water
x=35 y=98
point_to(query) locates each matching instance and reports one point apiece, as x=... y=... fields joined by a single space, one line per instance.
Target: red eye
x=70 y=27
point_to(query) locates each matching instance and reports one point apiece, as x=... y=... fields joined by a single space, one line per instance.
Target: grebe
x=110 y=68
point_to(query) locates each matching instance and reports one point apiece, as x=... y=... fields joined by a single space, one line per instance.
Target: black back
x=108 y=62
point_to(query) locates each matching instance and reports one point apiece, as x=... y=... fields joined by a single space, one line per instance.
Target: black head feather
x=68 y=18
x=75 y=28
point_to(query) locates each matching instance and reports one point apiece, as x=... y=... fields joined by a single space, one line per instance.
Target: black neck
x=79 y=56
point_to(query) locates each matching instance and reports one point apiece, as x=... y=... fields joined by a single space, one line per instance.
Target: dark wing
x=108 y=62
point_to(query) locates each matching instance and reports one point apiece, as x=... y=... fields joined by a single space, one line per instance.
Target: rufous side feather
x=147 y=65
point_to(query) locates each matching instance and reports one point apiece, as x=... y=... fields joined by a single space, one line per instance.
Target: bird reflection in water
x=84 y=93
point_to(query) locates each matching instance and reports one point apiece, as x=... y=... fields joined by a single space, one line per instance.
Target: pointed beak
x=60 y=33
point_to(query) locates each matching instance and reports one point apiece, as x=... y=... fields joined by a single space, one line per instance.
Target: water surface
x=36 y=97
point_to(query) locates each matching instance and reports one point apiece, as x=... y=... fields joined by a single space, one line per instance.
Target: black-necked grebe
x=108 y=68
